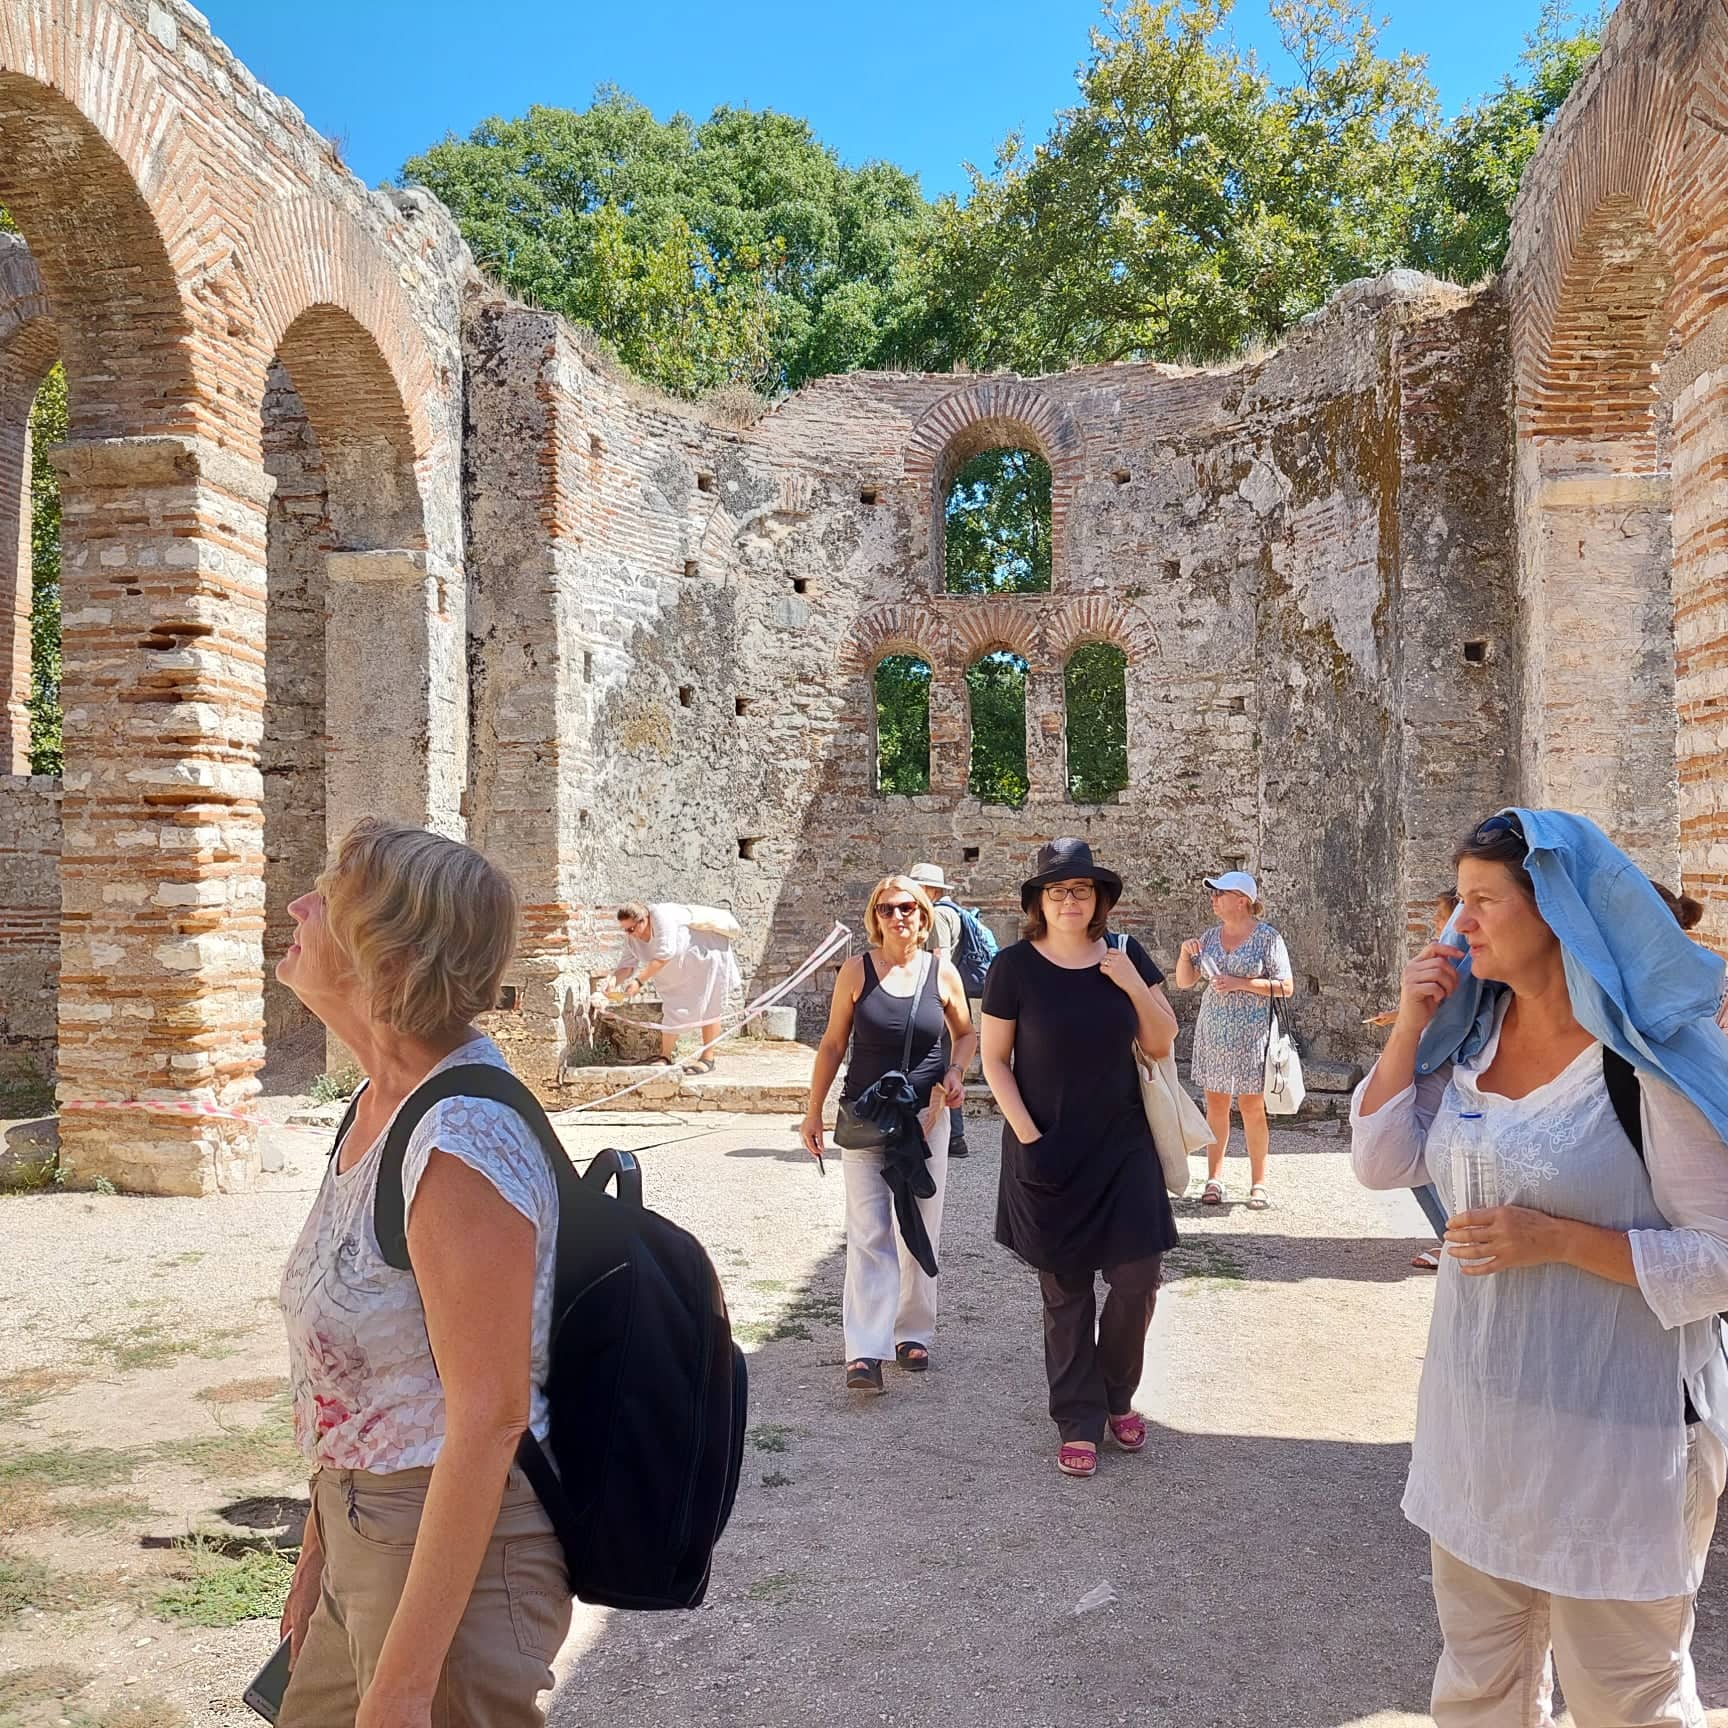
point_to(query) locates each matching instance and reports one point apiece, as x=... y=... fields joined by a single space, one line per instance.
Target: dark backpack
x=647 y=1391
x=975 y=949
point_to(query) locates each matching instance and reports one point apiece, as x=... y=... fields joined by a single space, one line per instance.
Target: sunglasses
x=898 y=909
x=1496 y=825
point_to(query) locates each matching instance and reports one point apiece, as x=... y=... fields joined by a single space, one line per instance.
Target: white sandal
x=1258 y=1198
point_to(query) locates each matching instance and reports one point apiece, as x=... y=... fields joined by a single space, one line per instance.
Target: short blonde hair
x=873 y=924
x=428 y=924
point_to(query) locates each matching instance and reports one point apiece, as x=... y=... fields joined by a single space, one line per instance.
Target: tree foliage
x=902 y=724
x=739 y=249
x=996 y=694
x=997 y=525
x=1095 y=696
x=47 y=428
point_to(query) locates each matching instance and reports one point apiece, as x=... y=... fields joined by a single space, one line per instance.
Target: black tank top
x=879 y=1035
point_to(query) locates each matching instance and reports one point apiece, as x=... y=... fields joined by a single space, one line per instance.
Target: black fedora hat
x=1063 y=860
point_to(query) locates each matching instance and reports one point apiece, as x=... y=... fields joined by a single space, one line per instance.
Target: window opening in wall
x=996 y=694
x=969 y=854
x=1095 y=694
x=704 y=482
x=800 y=584
x=507 y=998
x=740 y=706
x=47 y=428
x=996 y=525
x=690 y=567
x=1238 y=705
x=686 y=695
x=903 y=724
x=747 y=847
x=1476 y=653
x=867 y=495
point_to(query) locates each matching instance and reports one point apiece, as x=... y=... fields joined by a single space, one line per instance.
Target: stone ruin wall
x=1258 y=540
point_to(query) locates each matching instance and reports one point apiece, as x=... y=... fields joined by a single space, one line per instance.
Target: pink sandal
x=1077 y=1459
x=1129 y=1432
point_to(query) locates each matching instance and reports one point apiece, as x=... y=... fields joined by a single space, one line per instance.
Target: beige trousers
x=500 y=1660
x=1622 y=1664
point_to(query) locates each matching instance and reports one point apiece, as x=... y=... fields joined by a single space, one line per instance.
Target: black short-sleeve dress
x=1088 y=1192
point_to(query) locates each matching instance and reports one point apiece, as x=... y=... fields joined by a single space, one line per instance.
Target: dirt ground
x=912 y=1559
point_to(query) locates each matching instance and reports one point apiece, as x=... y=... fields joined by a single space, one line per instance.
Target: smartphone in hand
x=270 y=1684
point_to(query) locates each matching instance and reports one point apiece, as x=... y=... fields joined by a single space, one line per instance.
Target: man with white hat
x=946 y=940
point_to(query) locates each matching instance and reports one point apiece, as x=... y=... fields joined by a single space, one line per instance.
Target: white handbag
x=1284 y=1089
x=1177 y=1123
x=714 y=921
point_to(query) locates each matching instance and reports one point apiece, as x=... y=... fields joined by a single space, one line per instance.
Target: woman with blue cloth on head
x=1557 y=1073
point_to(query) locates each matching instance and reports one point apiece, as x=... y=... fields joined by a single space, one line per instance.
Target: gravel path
x=913 y=1559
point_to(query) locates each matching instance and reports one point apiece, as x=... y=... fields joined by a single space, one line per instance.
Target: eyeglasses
x=1082 y=891
x=900 y=909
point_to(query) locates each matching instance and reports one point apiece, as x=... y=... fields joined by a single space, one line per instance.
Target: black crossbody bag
x=855 y=1133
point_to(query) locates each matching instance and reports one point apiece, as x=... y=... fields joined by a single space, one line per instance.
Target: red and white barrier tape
x=836 y=940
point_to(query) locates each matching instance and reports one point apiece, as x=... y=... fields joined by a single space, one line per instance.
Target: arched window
x=902 y=724
x=996 y=694
x=1095 y=694
x=996 y=525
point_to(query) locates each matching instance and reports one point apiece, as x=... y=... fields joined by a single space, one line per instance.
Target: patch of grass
x=768 y=1286
x=259 y=1391
x=20 y=1393
x=149 y=1344
x=776 y=1479
x=34 y=1176
x=1200 y=1259
x=336 y=1087
x=769 y=1332
x=64 y=1467
x=211 y=1588
x=27 y=1583
x=39 y=1684
x=243 y=1454
x=140 y=1713
x=767 y=1437
x=776 y=1587
x=105 y=1512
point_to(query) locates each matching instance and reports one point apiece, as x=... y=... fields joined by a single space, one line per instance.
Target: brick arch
x=73 y=181
x=1098 y=618
x=897 y=629
x=990 y=626
x=330 y=308
x=995 y=414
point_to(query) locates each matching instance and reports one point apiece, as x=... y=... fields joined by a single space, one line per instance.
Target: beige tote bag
x=1178 y=1125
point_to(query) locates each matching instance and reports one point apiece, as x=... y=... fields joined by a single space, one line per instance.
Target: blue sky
x=927 y=85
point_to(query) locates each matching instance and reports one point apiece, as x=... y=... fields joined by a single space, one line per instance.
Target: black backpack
x=647 y=1391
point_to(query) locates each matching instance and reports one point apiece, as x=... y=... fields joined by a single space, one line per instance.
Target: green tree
x=47 y=428
x=1188 y=204
x=1095 y=696
x=1461 y=215
x=996 y=694
x=902 y=724
x=997 y=525
x=737 y=249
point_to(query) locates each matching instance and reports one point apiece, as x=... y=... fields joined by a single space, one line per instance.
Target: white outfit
x=700 y=970
x=1551 y=1461
x=890 y=1299
x=365 y=1390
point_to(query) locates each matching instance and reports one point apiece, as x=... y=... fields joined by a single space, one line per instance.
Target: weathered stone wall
x=685 y=617
x=29 y=924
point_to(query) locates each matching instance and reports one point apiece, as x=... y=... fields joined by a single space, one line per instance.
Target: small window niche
x=1478 y=652
x=968 y=854
x=704 y=482
x=1121 y=476
x=596 y=444
x=740 y=706
x=508 y=999
x=686 y=695
x=868 y=495
x=800 y=584
x=691 y=567
x=587 y=667
x=747 y=845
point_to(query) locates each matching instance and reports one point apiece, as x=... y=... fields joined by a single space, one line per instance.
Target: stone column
x=161 y=993
x=1046 y=734
x=15 y=582
x=395 y=692
x=950 y=733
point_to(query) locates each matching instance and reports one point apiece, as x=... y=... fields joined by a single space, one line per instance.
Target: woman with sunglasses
x=889 y=1307
x=693 y=968
x=1556 y=1072
x=1081 y=1190
x=1243 y=963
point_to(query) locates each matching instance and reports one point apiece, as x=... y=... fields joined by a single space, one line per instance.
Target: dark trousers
x=1094 y=1361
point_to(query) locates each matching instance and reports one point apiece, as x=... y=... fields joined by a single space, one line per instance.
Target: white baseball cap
x=1234 y=882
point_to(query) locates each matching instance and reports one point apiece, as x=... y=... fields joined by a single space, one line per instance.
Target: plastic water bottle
x=1475 y=1169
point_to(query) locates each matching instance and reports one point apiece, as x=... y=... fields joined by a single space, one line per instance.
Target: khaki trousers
x=1622 y=1664
x=500 y=1659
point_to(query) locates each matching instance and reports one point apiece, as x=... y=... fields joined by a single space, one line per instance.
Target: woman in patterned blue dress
x=1243 y=963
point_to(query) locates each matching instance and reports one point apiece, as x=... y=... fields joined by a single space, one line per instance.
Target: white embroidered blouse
x=1550 y=1448
x=365 y=1390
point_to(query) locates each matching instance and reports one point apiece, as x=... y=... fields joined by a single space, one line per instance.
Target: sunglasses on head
x=1497 y=825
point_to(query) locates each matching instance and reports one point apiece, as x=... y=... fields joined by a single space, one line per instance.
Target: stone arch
x=991 y=414
x=897 y=629
x=990 y=626
x=1098 y=618
x=331 y=311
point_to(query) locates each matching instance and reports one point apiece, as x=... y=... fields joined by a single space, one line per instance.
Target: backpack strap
x=468 y=1080
x=346 y=1123
x=1625 y=1094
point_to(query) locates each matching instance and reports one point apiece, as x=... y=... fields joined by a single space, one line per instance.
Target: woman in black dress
x=1081 y=1189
